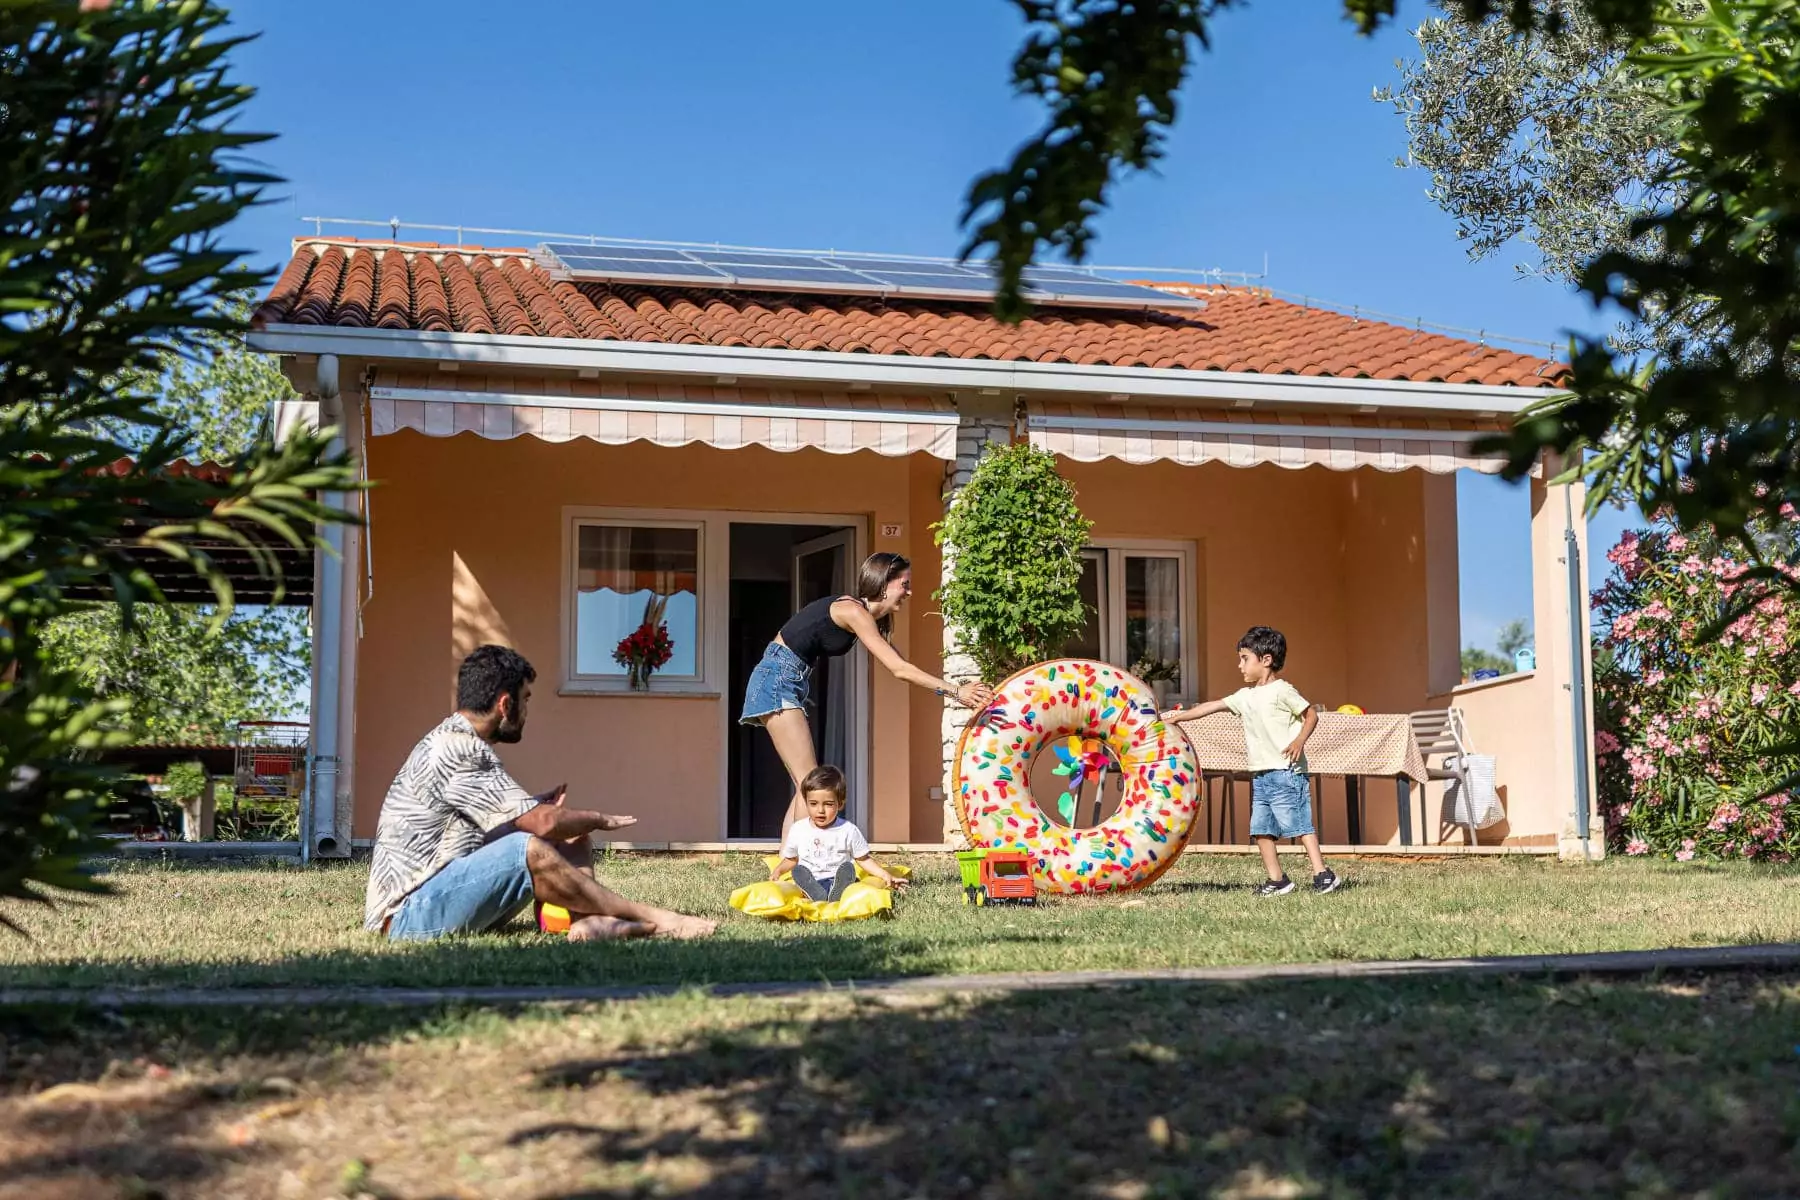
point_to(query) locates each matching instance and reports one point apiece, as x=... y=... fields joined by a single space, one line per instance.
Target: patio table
x=1355 y=747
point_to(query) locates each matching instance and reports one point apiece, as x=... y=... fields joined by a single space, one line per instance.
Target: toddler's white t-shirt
x=823 y=851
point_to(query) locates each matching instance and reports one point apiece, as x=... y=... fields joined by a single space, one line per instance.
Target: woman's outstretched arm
x=857 y=619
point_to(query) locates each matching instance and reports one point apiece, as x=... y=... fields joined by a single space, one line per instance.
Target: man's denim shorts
x=781 y=680
x=474 y=893
x=1280 y=804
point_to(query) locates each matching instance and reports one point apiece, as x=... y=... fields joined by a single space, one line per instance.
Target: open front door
x=822 y=567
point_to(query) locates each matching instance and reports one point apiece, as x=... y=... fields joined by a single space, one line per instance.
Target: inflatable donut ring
x=1087 y=700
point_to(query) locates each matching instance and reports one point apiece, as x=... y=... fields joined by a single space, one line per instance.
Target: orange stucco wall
x=1335 y=560
x=1357 y=568
x=467 y=547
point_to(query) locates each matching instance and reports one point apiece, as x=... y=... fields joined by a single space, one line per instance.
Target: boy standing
x=1277 y=721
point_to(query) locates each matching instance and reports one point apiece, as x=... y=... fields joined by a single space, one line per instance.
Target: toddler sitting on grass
x=824 y=850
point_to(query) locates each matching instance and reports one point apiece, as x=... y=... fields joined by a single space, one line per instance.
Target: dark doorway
x=775 y=569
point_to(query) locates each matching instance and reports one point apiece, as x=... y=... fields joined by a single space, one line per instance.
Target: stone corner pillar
x=984 y=420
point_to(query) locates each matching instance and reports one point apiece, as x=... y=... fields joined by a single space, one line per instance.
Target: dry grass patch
x=1299 y=1089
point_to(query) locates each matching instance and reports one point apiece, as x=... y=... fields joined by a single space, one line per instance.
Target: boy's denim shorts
x=781 y=680
x=472 y=894
x=1280 y=804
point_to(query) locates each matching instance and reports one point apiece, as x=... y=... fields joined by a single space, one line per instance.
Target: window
x=623 y=572
x=1140 y=604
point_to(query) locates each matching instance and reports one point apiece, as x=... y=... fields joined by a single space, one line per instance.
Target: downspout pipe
x=321 y=837
x=1578 y=635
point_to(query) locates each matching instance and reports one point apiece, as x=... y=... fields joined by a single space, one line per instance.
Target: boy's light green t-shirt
x=1272 y=715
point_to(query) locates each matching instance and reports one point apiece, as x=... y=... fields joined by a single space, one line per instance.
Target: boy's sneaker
x=1326 y=881
x=1275 y=887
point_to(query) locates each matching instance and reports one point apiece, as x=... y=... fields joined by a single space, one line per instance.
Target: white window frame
x=1114 y=552
x=574 y=521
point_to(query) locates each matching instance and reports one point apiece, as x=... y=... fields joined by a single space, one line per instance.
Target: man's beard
x=510 y=729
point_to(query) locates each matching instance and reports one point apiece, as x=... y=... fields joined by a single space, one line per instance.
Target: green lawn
x=1323 y=1088
x=235 y=926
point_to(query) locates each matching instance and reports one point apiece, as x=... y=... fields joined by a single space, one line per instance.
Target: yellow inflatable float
x=783 y=900
x=1094 y=715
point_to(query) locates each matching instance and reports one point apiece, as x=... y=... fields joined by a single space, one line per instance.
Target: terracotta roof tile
x=486 y=291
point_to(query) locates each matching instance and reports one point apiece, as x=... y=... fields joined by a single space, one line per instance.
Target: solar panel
x=747 y=258
x=847 y=274
x=568 y=250
x=907 y=266
x=811 y=277
x=643 y=268
x=1104 y=293
x=973 y=284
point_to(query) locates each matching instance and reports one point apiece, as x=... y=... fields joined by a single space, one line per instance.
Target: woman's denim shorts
x=781 y=680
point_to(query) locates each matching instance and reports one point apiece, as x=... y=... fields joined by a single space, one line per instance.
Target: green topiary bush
x=1012 y=542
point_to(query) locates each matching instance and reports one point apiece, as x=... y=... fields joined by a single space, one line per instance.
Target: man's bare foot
x=685 y=928
x=607 y=929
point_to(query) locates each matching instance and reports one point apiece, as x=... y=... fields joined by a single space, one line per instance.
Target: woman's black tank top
x=812 y=634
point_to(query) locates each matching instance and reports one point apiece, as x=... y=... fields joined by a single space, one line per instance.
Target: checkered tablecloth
x=1343 y=744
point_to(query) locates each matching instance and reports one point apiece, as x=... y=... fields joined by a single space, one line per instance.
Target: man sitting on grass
x=461 y=848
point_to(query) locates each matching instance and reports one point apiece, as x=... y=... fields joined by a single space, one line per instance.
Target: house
x=554 y=444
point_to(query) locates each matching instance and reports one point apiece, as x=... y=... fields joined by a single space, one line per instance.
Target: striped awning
x=1149 y=433
x=724 y=418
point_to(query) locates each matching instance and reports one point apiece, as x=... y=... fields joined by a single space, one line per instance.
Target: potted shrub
x=1012 y=543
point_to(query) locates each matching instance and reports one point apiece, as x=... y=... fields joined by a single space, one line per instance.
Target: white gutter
x=891 y=372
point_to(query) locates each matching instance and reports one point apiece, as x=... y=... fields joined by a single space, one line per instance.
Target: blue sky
x=809 y=123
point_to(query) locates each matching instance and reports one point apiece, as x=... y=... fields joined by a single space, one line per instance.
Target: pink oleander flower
x=1793 y=689
x=1626 y=551
x=1691 y=565
x=1684 y=856
x=1653 y=678
x=1677 y=543
x=1605 y=743
x=1687 y=843
x=1759 y=693
x=1637 y=846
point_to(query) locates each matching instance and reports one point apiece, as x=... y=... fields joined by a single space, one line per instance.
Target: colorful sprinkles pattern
x=1078 y=698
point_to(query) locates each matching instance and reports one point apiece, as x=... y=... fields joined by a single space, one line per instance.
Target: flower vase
x=639 y=676
x=1160 y=689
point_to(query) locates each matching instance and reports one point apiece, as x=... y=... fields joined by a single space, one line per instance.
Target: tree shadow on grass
x=1297 y=1088
x=1483 y=1088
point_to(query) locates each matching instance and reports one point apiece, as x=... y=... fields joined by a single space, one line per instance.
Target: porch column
x=982 y=420
x=1560 y=614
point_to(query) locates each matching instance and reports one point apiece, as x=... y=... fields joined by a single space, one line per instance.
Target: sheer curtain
x=627 y=574
x=1153 y=608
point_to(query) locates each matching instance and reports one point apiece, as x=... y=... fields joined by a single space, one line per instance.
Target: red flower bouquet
x=642 y=651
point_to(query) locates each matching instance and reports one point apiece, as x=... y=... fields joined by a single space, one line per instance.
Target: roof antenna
x=394 y=224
